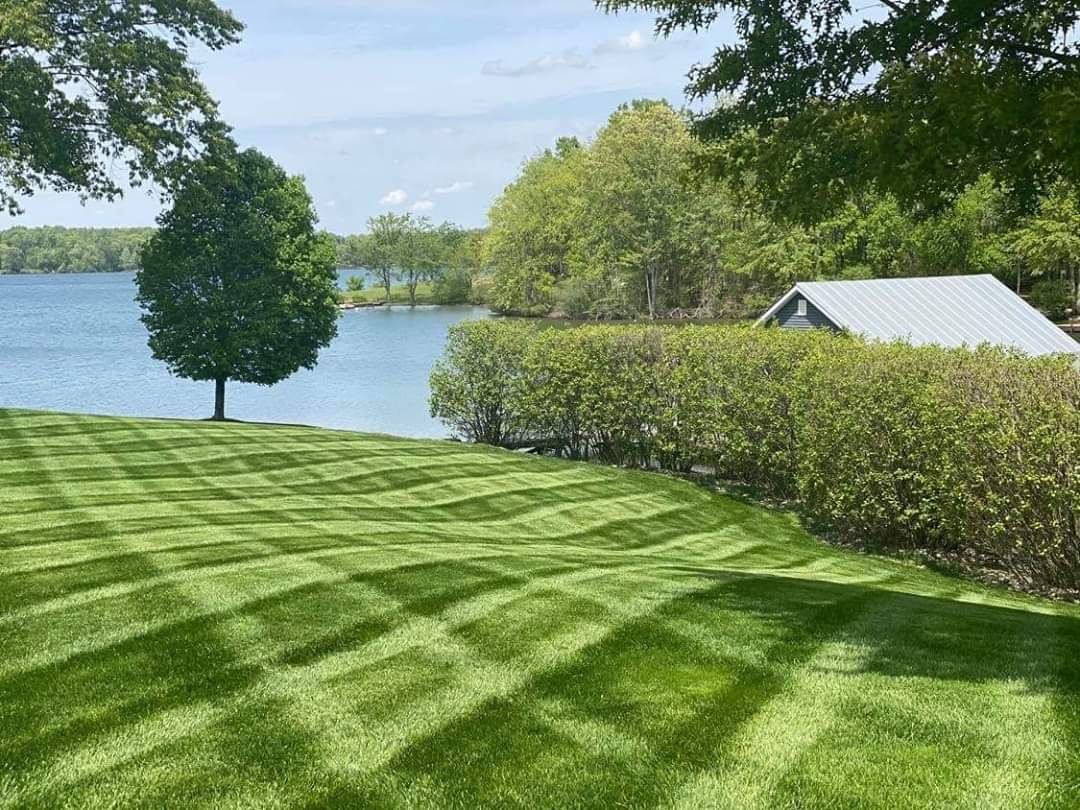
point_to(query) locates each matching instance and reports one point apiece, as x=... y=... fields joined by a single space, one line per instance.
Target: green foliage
x=237 y=284
x=1054 y=297
x=473 y=389
x=355 y=284
x=90 y=83
x=635 y=206
x=625 y=227
x=1047 y=243
x=401 y=247
x=929 y=448
x=71 y=250
x=916 y=99
x=902 y=447
x=379 y=251
x=454 y=286
x=533 y=225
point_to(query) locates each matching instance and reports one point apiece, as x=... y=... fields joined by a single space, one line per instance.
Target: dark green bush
x=454 y=286
x=1054 y=297
x=919 y=448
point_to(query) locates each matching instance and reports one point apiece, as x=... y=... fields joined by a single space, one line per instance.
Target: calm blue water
x=75 y=343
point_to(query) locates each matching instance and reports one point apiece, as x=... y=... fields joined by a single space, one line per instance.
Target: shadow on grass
x=682 y=697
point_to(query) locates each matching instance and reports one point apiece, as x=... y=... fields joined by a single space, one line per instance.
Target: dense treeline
x=918 y=448
x=626 y=226
x=71 y=250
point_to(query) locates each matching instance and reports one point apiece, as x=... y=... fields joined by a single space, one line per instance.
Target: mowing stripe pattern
x=246 y=616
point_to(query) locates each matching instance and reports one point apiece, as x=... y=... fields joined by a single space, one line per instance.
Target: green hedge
x=903 y=447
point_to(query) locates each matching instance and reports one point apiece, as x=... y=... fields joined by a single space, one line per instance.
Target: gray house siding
x=789 y=317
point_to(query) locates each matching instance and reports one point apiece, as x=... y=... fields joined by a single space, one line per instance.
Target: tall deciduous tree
x=1048 y=242
x=533 y=226
x=918 y=99
x=380 y=249
x=636 y=199
x=237 y=284
x=88 y=83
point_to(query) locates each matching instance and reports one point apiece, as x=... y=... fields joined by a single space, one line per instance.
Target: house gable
x=788 y=315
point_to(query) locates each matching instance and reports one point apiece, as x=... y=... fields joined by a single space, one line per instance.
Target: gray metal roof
x=945 y=310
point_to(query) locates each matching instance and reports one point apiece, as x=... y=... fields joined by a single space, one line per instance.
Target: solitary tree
x=237 y=284
x=423 y=252
x=86 y=84
x=380 y=250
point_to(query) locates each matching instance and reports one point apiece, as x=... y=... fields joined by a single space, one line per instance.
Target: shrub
x=475 y=387
x=1014 y=465
x=876 y=442
x=921 y=448
x=453 y=286
x=731 y=408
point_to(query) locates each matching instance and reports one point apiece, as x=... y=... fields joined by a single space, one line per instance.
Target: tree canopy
x=236 y=284
x=624 y=226
x=817 y=99
x=89 y=83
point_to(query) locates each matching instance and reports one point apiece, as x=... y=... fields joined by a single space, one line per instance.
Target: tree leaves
x=237 y=284
x=86 y=83
x=919 y=100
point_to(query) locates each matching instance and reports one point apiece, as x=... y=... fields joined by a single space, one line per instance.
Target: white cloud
x=634 y=41
x=421 y=206
x=571 y=59
x=380 y=131
x=332 y=204
x=396 y=197
x=455 y=187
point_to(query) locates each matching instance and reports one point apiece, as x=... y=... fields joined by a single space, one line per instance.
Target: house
x=946 y=311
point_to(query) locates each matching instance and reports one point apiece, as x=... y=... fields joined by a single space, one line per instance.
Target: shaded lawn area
x=237 y=616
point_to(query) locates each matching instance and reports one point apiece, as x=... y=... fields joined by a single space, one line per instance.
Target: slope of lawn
x=245 y=616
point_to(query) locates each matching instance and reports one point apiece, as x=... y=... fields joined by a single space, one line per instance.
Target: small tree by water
x=236 y=284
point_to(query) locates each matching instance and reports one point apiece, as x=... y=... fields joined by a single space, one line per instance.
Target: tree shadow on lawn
x=665 y=697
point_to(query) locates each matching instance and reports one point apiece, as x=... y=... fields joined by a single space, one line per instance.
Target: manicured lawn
x=240 y=616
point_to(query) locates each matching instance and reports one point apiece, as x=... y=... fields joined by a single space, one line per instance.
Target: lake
x=75 y=343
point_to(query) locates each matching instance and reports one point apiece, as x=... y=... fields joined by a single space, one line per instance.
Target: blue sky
x=423 y=105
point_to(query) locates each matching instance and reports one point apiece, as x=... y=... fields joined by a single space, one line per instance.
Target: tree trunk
x=386 y=283
x=219 y=400
x=650 y=293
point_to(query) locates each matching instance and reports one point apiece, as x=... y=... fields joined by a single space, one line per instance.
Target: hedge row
x=937 y=449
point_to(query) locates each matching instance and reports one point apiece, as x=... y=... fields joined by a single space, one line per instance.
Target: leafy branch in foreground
x=87 y=83
x=914 y=98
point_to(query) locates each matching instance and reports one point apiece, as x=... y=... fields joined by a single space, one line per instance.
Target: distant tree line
x=631 y=225
x=71 y=250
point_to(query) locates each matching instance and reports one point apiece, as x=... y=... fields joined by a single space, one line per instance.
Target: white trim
x=770 y=313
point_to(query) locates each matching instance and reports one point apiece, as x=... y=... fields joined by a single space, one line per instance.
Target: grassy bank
x=399 y=294
x=234 y=615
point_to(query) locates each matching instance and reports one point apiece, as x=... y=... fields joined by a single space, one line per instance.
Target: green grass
x=399 y=294
x=244 y=616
